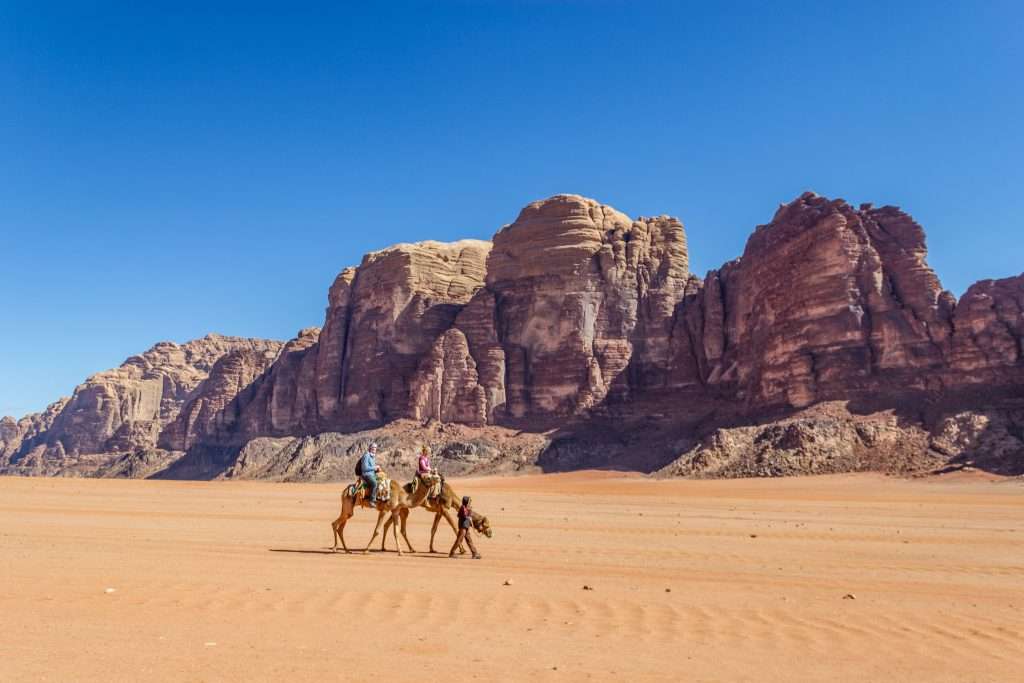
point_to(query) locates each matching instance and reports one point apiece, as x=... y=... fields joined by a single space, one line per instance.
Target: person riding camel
x=427 y=474
x=423 y=464
x=465 y=524
x=368 y=471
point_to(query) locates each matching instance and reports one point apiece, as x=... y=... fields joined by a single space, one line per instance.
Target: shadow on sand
x=373 y=551
x=305 y=552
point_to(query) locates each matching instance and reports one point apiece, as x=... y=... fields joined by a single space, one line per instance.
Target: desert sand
x=691 y=580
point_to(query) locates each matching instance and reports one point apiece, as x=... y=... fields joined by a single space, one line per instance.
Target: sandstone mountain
x=120 y=411
x=580 y=338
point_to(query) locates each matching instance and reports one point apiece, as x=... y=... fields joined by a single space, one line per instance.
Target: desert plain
x=848 y=577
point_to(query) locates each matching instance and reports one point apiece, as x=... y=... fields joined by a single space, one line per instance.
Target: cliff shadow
x=642 y=435
x=200 y=463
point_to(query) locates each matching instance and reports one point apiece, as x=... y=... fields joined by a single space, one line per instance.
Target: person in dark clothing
x=465 y=525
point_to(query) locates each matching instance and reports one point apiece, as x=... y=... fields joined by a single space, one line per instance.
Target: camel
x=401 y=498
x=440 y=506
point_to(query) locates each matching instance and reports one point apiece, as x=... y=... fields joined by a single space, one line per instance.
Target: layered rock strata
x=826 y=302
x=578 y=311
x=214 y=406
x=989 y=330
x=586 y=327
x=584 y=301
x=573 y=305
x=19 y=437
x=367 y=364
x=120 y=410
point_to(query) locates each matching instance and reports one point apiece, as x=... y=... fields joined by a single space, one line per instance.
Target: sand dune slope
x=704 y=581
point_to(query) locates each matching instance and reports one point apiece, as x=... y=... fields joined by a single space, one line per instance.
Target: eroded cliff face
x=403 y=299
x=579 y=313
x=574 y=304
x=584 y=300
x=119 y=410
x=989 y=331
x=214 y=406
x=132 y=403
x=369 y=363
x=585 y=327
x=10 y=435
x=20 y=437
x=826 y=302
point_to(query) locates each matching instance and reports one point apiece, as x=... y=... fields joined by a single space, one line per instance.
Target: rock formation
x=10 y=436
x=120 y=410
x=574 y=304
x=989 y=330
x=580 y=338
x=826 y=302
x=214 y=406
x=446 y=387
x=584 y=301
x=825 y=439
x=383 y=319
x=19 y=436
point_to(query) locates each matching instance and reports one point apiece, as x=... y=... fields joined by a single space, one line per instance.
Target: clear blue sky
x=175 y=170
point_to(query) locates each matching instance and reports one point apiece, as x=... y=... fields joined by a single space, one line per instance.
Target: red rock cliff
x=577 y=306
x=581 y=319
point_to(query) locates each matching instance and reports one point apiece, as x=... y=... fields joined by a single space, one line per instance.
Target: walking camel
x=400 y=499
x=440 y=506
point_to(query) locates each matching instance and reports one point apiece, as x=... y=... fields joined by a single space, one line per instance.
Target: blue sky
x=175 y=170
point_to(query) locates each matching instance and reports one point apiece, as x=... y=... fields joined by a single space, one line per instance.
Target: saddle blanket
x=360 y=490
x=434 y=482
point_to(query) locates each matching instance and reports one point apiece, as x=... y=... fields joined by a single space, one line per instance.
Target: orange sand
x=721 y=580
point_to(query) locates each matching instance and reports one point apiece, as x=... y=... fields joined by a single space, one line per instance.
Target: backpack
x=359 y=467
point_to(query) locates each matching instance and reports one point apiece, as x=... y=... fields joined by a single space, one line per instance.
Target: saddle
x=434 y=482
x=359 y=490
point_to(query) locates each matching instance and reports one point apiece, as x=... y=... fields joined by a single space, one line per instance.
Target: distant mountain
x=118 y=411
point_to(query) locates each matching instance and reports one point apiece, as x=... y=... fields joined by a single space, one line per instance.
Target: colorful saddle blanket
x=359 y=490
x=434 y=482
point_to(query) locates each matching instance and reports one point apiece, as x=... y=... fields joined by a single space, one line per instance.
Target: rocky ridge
x=580 y=338
x=123 y=410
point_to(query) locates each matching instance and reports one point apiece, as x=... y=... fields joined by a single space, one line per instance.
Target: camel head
x=482 y=526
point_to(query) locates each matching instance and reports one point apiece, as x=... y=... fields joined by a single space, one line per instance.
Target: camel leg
x=390 y=524
x=376 y=531
x=334 y=526
x=384 y=536
x=340 y=531
x=338 y=526
x=404 y=516
x=433 y=530
x=394 y=531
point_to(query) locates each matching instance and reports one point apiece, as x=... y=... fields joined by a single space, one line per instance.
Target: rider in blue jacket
x=368 y=470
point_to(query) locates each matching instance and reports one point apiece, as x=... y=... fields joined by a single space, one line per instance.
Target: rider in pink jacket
x=423 y=465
